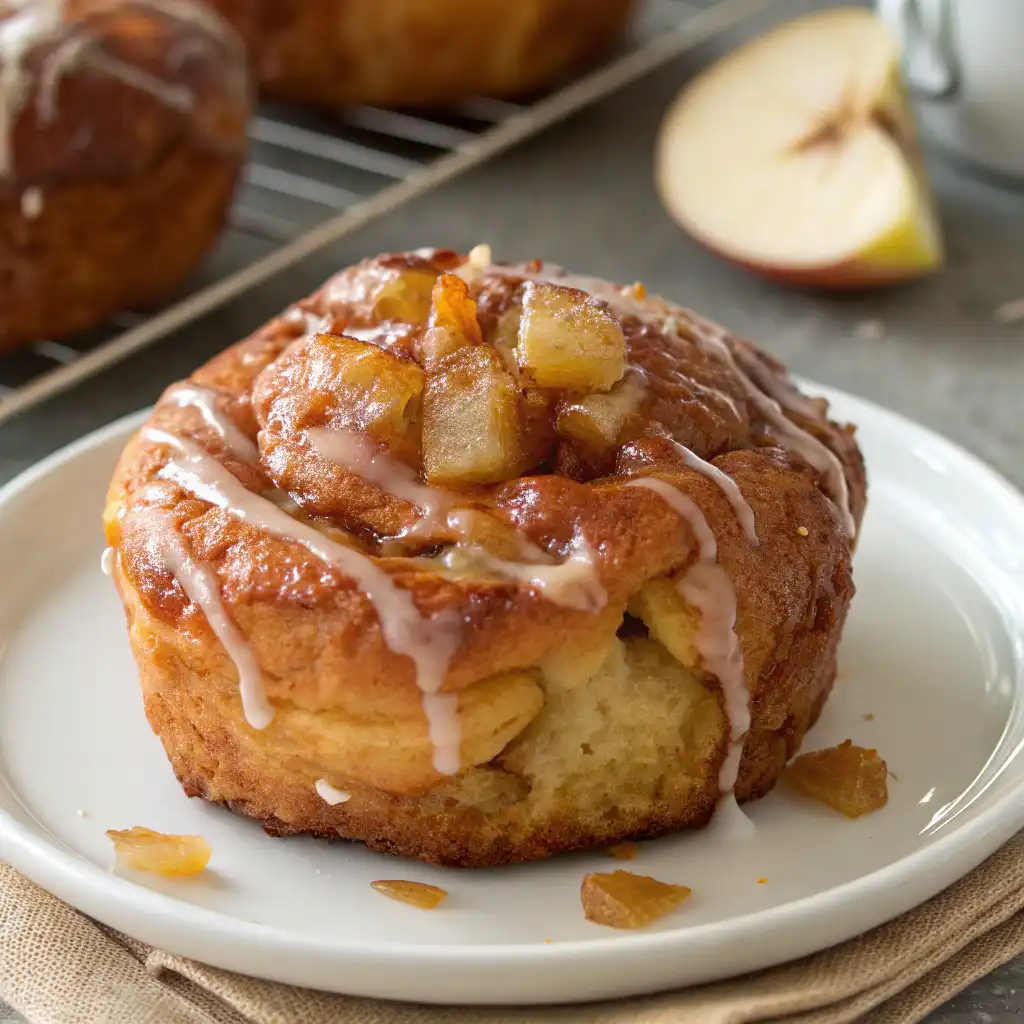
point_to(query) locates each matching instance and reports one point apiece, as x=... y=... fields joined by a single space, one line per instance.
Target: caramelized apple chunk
x=852 y=780
x=173 y=856
x=599 y=421
x=453 y=322
x=416 y=894
x=569 y=340
x=624 y=900
x=471 y=420
x=359 y=386
x=404 y=295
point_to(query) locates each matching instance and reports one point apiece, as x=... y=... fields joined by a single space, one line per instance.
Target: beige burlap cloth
x=58 y=967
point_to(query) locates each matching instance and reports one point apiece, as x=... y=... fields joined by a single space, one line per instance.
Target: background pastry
x=479 y=563
x=122 y=132
x=333 y=53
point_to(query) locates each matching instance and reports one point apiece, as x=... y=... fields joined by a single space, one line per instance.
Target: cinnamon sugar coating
x=584 y=721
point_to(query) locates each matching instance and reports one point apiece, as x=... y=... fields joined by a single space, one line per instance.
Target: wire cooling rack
x=311 y=180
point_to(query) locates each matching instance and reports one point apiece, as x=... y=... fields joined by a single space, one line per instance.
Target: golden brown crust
x=123 y=132
x=571 y=736
x=334 y=53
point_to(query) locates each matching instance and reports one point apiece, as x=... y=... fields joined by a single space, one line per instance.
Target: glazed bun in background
x=122 y=133
x=483 y=563
x=415 y=53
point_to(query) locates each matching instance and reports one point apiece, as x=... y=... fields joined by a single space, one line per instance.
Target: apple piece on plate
x=796 y=156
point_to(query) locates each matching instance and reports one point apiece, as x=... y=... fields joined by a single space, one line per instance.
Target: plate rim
x=116 y=900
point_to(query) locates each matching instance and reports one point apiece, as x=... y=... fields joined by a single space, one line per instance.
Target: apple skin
x=855 y=275
x=907 y=249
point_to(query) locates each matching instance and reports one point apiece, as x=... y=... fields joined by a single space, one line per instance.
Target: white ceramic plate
x=931 y=674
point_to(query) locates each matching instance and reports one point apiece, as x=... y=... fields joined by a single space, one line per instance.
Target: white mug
x=964 y=63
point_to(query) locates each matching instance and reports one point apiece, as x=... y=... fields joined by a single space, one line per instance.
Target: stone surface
x=582 y=195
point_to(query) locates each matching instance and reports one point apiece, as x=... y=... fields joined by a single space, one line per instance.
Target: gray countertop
x=581 y=195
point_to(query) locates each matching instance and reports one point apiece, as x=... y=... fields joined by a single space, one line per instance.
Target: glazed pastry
x=333 y=53
x=122 y=132
x=483 y=563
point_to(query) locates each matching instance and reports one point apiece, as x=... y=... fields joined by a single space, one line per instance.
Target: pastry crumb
x=329 y=794
x=547 y=941
x=1010 y=312
x=870 y=330
x=81 y=813
x=869 y=717
x=762 y=881
x=416 y=894
x=802 y=531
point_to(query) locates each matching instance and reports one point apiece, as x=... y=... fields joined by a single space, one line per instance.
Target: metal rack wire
x=311 y=180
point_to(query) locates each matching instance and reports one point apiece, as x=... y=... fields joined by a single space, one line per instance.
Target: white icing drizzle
x=462 y=520
x=32 y=203
x=740 y=506
x=108 y=560
x=177 y=97
x=205 y=402
x=62 y=61
x=445 y=730
x=369 y=334
x=573 y=583
x=688 y=509
x=731 y=824
x=787 y=396
x=706 y=586
x=329 y=794
x=356 y=455
x=430 y=643
x=202 y=588
x=19 y=35
x=822 y=458
x=384 y=335
x=310 y=323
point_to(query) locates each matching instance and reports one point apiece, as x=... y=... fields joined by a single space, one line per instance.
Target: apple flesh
x=796 y=156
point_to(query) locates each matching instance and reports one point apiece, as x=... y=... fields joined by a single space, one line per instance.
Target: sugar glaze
x=707 y=587
x=430 y=643
x=329 y=794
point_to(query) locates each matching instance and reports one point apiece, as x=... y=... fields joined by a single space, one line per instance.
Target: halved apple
x=796 y=156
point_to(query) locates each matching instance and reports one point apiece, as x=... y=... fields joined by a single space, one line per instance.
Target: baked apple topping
x=173 y=856
x=621 y=899
x=850 y=779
